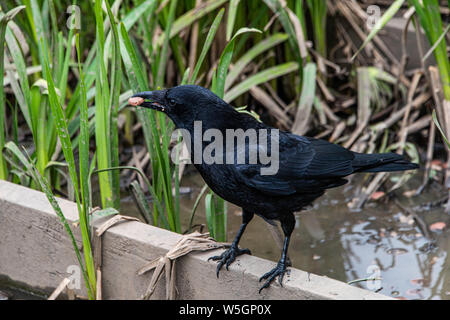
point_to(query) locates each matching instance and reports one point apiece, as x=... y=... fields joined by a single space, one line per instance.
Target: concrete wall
x=35 y=249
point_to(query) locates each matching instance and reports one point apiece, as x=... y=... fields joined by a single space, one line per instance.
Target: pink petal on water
x=438 y=226
x=377 y=195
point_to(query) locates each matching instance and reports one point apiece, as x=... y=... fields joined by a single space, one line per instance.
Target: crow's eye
x=172 y=102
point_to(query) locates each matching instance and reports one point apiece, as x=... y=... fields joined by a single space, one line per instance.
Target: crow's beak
x=149 y=99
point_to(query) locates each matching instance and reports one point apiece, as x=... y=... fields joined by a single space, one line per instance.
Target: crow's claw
x=227 y=257
x=279 y=271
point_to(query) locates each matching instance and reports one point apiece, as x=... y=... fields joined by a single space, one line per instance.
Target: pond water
x=381 y=241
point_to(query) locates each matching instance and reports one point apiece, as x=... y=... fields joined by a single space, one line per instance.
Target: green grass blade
x=253 y=52
x=195 y=206
x=40 y=105
x=116 y=79
x=210 y=213
x=39 y=30
x=436 y=122
x=147 y=7
x=260 y=77
x=232 y=11
x=318 y=10
x=220 y=220
x=390 y=12
x=438 y=42
x=162 y=174
x=19 y=61
x=131 y=62
x=283 y=16
x=225 y=60
x=190 y=17
x=83 y=145
x=45 y=187
x=165 y=46
x=63 y=133
x=102 y=119
x=431 y=21
x=3 y=27
x=141 y=201
x=147 y=182
x=209 y=39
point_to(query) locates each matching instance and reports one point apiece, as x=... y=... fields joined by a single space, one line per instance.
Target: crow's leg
x=229 y=255
x=287 y=224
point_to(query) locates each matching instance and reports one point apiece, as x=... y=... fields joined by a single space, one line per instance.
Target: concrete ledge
x=35 y=249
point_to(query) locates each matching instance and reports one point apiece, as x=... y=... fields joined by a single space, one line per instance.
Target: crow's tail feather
x=381 y=162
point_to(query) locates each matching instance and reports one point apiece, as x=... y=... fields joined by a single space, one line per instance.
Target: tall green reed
x=431 y=21
x=106 y=106
x=79 y=181
x=318 y=10
x=4 y=19
x=155 y=132
x=80 y=184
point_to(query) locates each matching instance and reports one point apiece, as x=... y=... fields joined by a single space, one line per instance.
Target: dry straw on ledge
x=191 y=242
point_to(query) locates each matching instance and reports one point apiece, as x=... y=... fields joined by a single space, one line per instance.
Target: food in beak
x=136 y=101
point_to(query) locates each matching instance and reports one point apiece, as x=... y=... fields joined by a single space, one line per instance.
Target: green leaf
x=225 y=60
x=105 y=212
x=260 y=77
x=66 y=145
x=190 y=17
x=436 y=122
x=209 y=39
x=253 y=52
x=45 y=187
x=232 y=10
x=141 y=201
x=388 y=15
x=164 y=55
x=210 y=213
x=3 y=25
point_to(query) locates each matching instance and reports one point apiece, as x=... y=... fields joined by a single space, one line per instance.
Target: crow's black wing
x=305 y=165
x=330 y=160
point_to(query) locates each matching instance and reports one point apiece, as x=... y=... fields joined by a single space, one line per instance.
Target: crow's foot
x=279 y=271
x=227 y=257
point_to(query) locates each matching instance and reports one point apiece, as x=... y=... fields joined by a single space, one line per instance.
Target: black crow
x=303 y=167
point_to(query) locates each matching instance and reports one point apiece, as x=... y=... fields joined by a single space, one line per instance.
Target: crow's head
x=183 y=104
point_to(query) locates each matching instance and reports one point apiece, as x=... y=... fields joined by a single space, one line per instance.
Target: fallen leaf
x=437 y=226
x=417 y=281
x=413 y=292
x=409 y=193
x=377 y=195
x=438 y=165
x=406 y=219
